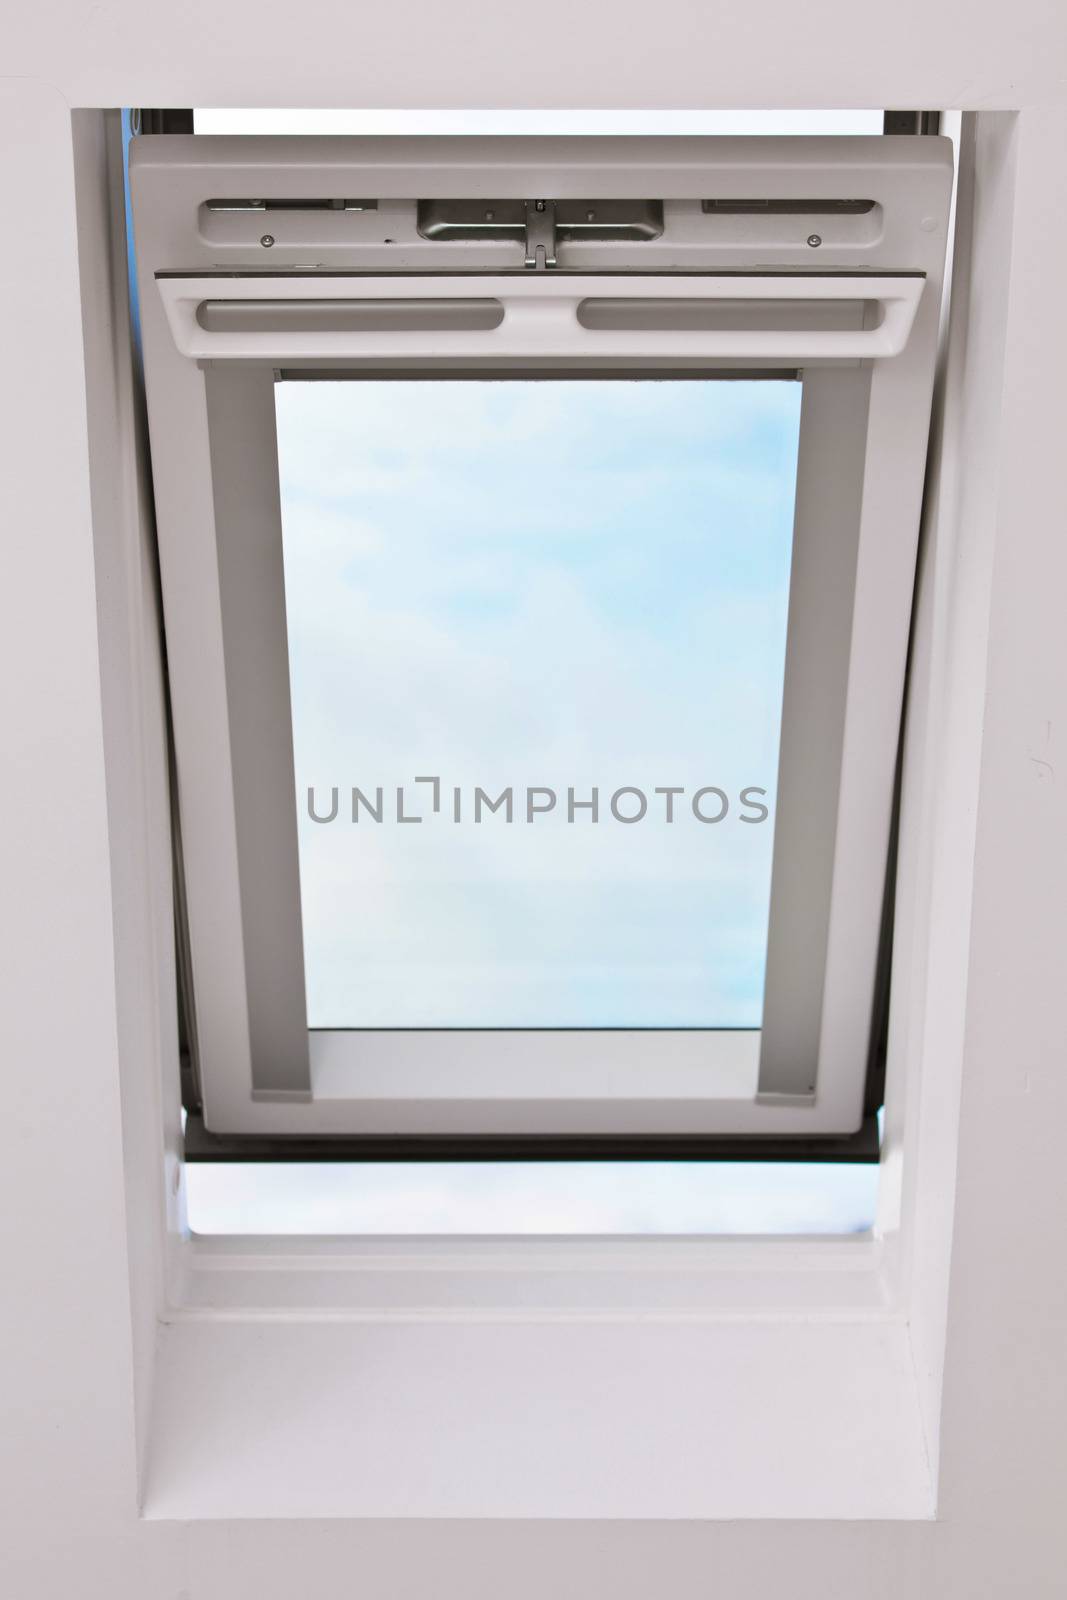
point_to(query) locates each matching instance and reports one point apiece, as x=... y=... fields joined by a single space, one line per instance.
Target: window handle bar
x=723 y=317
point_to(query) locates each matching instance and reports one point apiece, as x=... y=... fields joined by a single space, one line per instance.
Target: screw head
x=815 y=240
x=268 y=239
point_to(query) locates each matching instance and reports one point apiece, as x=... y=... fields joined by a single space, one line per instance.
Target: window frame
x=215 y=468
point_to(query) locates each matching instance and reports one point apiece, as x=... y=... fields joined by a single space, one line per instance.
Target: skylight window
x=537 y=537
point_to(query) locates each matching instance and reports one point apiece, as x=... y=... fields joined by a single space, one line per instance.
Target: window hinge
x=540 y=234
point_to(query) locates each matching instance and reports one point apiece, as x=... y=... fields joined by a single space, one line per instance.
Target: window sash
x=862 y=445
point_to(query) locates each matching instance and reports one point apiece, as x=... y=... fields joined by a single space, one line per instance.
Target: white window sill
x=474 y=1379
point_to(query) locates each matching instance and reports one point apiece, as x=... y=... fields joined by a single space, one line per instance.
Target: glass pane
x=565 y=603
x=275 y=120
x=534 y=1197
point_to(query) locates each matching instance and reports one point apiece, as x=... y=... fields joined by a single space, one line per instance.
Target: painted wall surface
x=70 y=1330
x=681 y=53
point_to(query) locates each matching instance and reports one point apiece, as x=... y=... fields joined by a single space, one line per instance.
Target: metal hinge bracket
x=540 y=234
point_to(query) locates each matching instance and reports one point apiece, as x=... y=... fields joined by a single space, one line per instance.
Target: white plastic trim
x=541 y=317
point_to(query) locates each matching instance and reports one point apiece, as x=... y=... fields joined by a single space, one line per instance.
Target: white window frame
x=864 y=428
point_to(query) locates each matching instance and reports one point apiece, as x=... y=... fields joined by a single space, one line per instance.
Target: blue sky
x=552 y=584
